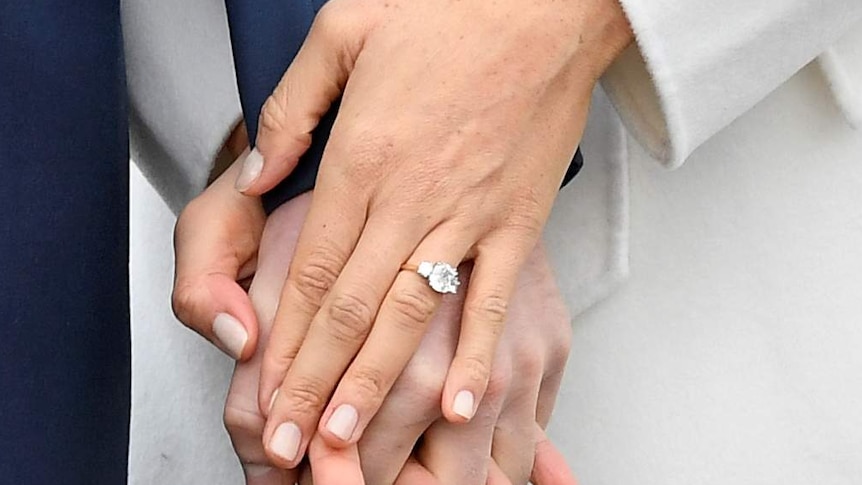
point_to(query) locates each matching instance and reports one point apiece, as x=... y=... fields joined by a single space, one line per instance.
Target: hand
x=216 y=240
x=457 y=123
x=526 y=379
x=221 y=214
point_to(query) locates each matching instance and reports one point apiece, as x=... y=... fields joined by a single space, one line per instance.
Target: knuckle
x=529 y=200
x=561 y=333
x=530 y=363
x=559 y=354
x=425 y=380
x=419 y=388
x=476 y=369
x=412 y=309
x=564 y=339
x=490 y=311
x=372 y=149
x=525 y=216
x=314 y=279
x=368 y=384
x=349 y=318
x=498 y=385
x=305 y=396
x=188 y=296
x=276 y=116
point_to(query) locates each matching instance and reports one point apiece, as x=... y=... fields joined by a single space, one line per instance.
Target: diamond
x=425 y=268
x=443 y=278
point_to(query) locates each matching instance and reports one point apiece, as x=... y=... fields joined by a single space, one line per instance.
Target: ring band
x=441 y=277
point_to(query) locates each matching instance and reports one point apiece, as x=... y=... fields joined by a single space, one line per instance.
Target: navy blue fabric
x=266 y=35
x=64 y=317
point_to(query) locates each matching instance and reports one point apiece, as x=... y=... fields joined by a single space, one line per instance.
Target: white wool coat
x=717 y=308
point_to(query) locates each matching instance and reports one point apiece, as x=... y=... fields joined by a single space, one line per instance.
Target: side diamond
x=425 y=269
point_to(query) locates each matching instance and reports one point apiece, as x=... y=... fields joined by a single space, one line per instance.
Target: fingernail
x=230 y=332
x=285 y=441
x=463 y=404
x=251 y=168
x=272 y=401
x=343 y=421
x=257 y=471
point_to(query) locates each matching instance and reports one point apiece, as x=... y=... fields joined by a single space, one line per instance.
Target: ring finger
x=400 y=325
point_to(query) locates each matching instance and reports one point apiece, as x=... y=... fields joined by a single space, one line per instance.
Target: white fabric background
x=731 y=355
x=178 y=380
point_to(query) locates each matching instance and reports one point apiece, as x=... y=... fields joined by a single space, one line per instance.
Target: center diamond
x=443 y=278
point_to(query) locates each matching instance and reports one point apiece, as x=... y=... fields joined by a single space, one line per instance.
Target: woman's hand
x=526 y=376
x=457 y=122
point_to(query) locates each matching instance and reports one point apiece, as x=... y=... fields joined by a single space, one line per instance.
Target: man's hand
x=456 y=126
x=216 y=241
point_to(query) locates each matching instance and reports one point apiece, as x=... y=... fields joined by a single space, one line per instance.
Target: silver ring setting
x=442 y=277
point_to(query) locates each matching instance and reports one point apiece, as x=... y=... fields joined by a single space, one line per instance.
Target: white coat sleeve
x=697 y=65
x=183 y=100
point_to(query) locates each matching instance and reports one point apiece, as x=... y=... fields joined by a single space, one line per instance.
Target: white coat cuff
x=699 y=64
x=183 y=100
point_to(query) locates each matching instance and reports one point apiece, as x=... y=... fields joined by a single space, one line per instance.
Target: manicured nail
x=230 y=332
x=272 y=401
x=251 y=168
x=343 y=421
x=257 y=471
x=285 y=441
x=463 y=404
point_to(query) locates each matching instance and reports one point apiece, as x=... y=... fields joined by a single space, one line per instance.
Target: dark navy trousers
x=64 y=312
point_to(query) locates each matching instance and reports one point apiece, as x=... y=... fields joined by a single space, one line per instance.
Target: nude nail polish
x=463 y=404
x=286 y=440
x=231 y=333
x=252 y=166
x=343 y=421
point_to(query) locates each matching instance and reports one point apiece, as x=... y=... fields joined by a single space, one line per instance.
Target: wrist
x=605 y=34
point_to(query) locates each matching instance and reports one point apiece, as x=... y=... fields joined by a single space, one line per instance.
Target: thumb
x=314 y=80
x=216 y=240
x=215 y=306
x=550 y=467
